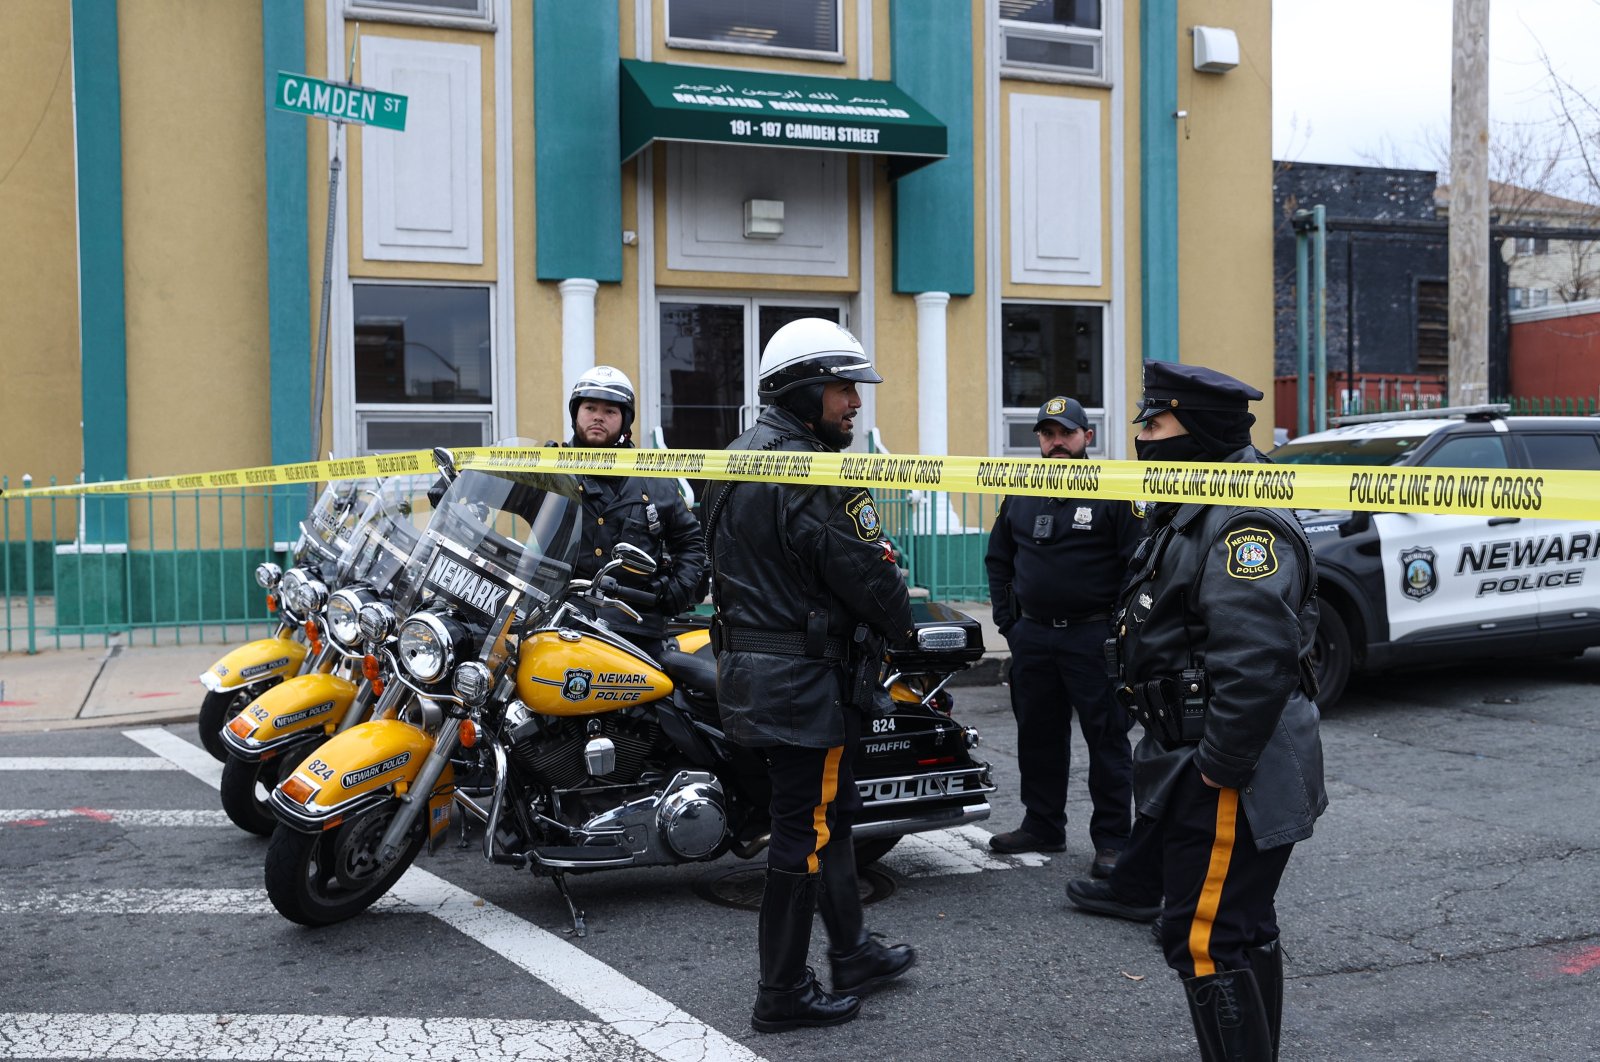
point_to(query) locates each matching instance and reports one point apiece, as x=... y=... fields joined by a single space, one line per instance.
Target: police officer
x=647 y=512
x=806 y=599
x=1212 y=636
x=1055 y=565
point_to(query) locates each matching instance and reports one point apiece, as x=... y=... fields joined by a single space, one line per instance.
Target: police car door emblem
x=1250 y=553
x=576 y=687
x=1418 y=575
x=865 y=516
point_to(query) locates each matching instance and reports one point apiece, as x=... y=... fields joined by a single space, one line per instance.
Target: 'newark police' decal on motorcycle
x=261 y=669
x=466 y=587
x=304 y=713
x=366 y=774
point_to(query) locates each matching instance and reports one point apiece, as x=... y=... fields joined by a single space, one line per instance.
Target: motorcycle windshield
x=326 y=531
x=496 y=539
x=387 y=531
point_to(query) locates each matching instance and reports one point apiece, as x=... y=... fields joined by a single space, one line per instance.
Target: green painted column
x=1158 y=177
x=930 y=55
x=102 y=334
x=577 y=140
x=283 y=47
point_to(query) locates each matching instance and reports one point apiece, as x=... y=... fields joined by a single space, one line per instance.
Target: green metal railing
x=941 y=536
x=187 y=573
x=1551 y=407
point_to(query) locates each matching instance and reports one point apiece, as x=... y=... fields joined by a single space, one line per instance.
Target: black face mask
x=1172 y=448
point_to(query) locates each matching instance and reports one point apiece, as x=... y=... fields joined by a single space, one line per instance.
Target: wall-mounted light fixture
x=1216 y=50
x=763 y=219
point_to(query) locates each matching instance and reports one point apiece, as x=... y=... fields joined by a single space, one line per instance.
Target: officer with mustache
x=1054 y=567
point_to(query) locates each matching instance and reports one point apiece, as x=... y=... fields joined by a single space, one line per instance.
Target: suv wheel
x=1330 y=655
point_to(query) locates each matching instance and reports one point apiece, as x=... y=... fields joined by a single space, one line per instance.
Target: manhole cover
x=741 y=887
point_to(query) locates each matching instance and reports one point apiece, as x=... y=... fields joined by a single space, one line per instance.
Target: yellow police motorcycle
x=282 y=726
x=248 y=671
x=601 y=757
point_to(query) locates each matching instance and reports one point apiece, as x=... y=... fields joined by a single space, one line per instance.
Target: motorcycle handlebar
x=637 y=598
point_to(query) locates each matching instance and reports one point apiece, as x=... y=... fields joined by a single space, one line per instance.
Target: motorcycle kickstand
x=579 y=928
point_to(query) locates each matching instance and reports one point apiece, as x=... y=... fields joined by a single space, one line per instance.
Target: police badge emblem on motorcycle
x=1418 y=576
x=576 y=686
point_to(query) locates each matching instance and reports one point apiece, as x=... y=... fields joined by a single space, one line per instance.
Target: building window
x=806 y=28
x=1054 y=36
x=477 y=13
x=1049 y=349
x=1532 y=245
x=1538 y=297
x=423 y=366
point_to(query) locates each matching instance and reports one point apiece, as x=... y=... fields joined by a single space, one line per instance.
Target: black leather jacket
x=649 y=513
x=781 y=555
x=1230 y=590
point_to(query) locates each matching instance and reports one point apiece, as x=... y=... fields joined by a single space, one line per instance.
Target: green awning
x=711 y=105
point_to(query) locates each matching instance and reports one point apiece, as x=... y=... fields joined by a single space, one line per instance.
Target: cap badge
x=1055 y=405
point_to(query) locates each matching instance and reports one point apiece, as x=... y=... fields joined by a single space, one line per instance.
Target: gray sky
x=1373 y=76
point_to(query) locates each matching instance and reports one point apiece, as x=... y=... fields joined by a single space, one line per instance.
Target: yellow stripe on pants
x=1205 y=912
x=819 y=817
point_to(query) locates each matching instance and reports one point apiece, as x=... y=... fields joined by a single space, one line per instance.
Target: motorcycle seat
x=693 y=671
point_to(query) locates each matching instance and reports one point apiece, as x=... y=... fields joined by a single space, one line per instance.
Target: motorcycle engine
x=550 y=749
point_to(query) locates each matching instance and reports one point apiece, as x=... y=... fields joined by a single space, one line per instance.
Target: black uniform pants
x=1219 y=888
x=811 y=789
x=1053 y=671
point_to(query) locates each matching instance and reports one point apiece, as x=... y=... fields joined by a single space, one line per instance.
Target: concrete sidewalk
x=122 y=685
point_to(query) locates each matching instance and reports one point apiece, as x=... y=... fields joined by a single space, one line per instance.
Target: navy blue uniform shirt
x=1060 y=558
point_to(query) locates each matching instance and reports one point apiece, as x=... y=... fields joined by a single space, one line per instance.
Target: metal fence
x=941 y=536
x=184 y=573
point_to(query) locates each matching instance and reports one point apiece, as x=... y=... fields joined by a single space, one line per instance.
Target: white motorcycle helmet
x=603 y=384
x=812 y=350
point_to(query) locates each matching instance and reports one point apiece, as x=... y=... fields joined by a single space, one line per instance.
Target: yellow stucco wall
x=1225 y=201
x=194 y=207
x=40 y=397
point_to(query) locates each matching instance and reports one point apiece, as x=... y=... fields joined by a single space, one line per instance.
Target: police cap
x=1067 y=412
x=1170 y=386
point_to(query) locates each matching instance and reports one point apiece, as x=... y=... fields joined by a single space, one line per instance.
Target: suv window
x=1580 y=452
x=1350 y=450
x=1469 y=451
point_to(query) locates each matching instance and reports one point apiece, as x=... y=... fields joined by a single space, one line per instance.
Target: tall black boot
x=1230 y=1020
x=789 y=995
x=860 y=960
x=1266 y=962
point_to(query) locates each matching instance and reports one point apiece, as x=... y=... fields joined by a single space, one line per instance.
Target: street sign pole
x=340 y=103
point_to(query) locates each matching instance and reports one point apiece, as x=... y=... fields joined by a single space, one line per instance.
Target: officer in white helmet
x=806 y=596
x=647 y=512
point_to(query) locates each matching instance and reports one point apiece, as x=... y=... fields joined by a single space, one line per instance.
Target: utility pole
x=1469 y=203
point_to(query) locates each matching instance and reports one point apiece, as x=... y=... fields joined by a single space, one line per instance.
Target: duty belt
x=1069 y=621
x=783 y=643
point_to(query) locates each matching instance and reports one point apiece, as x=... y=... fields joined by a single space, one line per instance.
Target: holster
x=1172 y=710
x=866 y=669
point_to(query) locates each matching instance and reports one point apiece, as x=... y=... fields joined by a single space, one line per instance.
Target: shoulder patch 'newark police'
x=1141 y=508
x=1250 y=553
x=865 y=516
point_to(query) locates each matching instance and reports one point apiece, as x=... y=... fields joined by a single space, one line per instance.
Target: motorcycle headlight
x=288 y=585
x=377 y=621
x=310 y=597
x=267 y=575
x=344 y=615
x=426 y=647
x=471 y=683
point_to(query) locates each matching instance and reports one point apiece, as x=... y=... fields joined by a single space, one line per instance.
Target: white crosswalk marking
x=962 y=850
x=311 y=1036
x=86 y=763
x=652 y=1022
x=116 y=816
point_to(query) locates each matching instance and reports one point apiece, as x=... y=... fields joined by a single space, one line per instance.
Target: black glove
x=436 y=492
x=670 y=598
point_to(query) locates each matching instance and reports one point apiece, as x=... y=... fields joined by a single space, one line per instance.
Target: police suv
x=1415 y=588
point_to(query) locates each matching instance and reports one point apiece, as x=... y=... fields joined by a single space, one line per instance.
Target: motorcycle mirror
x=446 y=462
x=633 y=559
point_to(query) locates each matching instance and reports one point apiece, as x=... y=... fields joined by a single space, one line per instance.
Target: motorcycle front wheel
x=246 y=786
x=317 y=879
x=218 y=709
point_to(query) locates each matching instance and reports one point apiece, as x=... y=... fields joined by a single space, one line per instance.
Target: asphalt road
x=1444 y=910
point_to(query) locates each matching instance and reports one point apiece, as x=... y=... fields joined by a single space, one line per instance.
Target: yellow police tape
x=1550 y=494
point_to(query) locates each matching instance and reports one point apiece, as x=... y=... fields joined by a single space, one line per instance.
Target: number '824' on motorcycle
x=601 y=756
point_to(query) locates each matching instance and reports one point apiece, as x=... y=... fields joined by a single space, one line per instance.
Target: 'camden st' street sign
x=346 y=103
